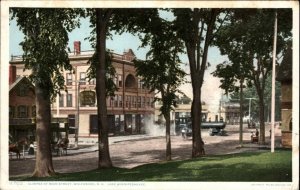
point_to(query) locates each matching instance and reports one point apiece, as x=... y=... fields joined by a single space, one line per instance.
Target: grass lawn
x=244 y=167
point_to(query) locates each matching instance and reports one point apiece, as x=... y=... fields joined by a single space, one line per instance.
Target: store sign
x=88 y=98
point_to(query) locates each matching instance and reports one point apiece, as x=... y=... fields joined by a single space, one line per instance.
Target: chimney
x=12 y=74
x=77 y=47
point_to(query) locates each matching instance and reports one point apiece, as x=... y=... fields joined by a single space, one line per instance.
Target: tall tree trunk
x=241 y=112
x=168 y=137
x=262 y=139
x=104 y=156
x=198 y=146
x=43 y=164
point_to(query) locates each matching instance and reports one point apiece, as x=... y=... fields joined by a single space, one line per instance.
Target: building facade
x=21 y=108
x=77 y=104
x=285 y=76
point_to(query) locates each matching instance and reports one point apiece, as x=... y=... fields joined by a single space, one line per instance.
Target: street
x=135 y=150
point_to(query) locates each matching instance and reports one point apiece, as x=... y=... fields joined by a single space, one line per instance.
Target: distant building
x=126 y=110
x=231 y=111
x=21 y=107
x=182 y=113
x=285 y=76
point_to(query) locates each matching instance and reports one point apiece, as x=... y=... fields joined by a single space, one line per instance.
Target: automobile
x=186 y=131
x=216 y=131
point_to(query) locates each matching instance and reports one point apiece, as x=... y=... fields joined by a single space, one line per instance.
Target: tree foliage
x=45 y=43
x=247 y=40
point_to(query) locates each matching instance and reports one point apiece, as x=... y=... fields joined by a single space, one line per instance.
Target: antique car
x=215 y=128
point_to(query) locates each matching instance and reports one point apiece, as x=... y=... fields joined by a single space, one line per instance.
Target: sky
x=211 y=93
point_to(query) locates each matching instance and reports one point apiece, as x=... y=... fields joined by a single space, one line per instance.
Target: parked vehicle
x=215 y=128
x=216 y=131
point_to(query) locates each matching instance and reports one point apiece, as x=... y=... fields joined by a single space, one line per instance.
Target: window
x=69 y=100
x=140 y=84
x=11 y=111
x=128 y=101
x=61 y=100
x=121 y=101
x=22 y=90
x=138 y=101
x=22 y=111
x=116 y=101
x=143 y=102
x=33 y=111
x=82 y=78
x=115 y=79
x=93 y=81
x=148 y=102
x=133 y=101
x=69 y=78
x=120 y=81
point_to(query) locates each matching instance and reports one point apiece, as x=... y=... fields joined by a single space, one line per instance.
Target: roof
x=285 y=70
x=18 y=81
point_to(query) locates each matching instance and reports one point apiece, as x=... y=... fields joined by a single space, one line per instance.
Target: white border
x=5 y=184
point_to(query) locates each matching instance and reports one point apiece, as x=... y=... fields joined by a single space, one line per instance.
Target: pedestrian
x=256 y=132
x=31 y=149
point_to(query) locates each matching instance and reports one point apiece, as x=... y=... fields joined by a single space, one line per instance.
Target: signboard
x=88 y=98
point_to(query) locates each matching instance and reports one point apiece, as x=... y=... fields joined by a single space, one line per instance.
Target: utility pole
x=249 y=115
x=273 y=87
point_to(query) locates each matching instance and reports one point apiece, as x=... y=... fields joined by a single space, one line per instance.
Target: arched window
x=130 y=81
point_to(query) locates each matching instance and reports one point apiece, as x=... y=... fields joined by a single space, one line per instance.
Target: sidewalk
x=94 y=147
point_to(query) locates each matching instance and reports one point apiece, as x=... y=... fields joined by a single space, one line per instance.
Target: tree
x=250 y=91
x=161 y=70
x=44 y=46
x=196 y=28
x=249 y=35
x=104 y=21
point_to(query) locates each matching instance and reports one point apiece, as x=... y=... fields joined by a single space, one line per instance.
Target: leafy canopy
x=45 y=44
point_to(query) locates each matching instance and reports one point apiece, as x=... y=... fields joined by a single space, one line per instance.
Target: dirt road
x=132 y=153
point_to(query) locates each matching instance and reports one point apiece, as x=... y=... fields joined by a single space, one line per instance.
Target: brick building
x=21 y=107
x=126 y=110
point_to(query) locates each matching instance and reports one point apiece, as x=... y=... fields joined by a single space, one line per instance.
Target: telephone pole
x=250 y=107
x=273 y=87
